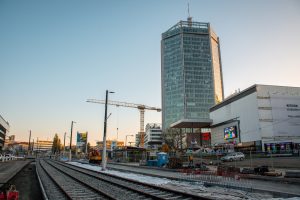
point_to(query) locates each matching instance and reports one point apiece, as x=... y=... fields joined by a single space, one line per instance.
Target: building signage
x=230 y=132
x=206 y=136
x=286 y=115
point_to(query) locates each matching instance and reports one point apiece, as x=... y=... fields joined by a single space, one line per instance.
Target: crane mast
x=141 y=108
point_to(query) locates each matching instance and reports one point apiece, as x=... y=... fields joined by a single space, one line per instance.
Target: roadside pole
x=29 y=142
x=250 y=159
x=64 y=144
x=86 y=150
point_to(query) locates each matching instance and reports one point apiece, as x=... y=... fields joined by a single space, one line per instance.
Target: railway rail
x=60 y=185
x=73 y=182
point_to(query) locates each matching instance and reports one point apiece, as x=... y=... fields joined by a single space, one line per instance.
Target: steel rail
x=136 y=183
x=45 y=196
x=112 y=184
x=53 y=180
x=82 y=182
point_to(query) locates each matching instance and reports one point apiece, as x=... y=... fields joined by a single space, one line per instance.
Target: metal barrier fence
x=10 y=158
x=254 y=159
x=214 y=180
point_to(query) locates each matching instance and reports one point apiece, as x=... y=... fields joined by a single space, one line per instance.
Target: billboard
x=230 y=132
x=81 y=139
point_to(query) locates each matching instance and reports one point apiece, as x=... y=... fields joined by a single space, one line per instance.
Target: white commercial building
x=153 y=137
x=4 y=129
x=261 y=117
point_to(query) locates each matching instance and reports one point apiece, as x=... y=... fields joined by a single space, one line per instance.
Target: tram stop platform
x=9 y=169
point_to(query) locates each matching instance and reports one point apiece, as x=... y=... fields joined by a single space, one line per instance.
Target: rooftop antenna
x=189 y=19
x=189 y=10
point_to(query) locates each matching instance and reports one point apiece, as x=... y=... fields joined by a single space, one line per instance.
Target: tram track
x=60 y=185
x=129 y=189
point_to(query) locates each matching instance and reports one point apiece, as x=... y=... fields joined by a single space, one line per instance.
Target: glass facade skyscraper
x=191 y=72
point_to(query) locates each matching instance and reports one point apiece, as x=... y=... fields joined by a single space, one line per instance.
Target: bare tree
x=173 y=138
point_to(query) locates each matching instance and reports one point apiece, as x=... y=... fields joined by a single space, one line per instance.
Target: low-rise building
x=153 y=136
x=4 y=129
x=261 y=118
x=110 y=145
x=43 y=146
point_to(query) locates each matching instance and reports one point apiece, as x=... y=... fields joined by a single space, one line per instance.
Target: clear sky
x=56 y=54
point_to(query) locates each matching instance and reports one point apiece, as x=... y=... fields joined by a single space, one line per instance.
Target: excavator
x=95 y=157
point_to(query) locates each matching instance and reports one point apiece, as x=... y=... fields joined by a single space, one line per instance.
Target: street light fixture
x=126 y=139
x=104 y=133
x=70 y=156
x=126 y=146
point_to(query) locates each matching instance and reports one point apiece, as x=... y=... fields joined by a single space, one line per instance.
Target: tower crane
x=141 y=108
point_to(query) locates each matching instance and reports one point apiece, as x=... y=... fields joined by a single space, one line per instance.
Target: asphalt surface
x=26 y=183
x=9 y=169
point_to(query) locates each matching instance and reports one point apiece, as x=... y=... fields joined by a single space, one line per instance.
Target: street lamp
x=126 y=139
x=70 y=156
x=104 y=133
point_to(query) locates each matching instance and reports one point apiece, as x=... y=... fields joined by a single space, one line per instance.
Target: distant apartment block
x=16 y=147
x=153 y=136
x=110 y=145
x=43 y=146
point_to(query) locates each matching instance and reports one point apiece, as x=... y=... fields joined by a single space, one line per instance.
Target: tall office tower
x=191 y=74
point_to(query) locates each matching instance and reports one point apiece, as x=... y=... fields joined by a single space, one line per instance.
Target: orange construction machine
x=95 y=157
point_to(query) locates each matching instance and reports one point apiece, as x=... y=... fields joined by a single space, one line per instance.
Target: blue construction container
x=162 y=159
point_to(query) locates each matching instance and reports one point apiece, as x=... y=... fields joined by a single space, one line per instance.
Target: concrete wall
x=245 y=110
x=284 y=115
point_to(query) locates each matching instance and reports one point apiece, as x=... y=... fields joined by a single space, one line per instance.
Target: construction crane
x=141 y=108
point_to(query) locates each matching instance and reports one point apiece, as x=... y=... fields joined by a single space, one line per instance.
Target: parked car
x=233 y=156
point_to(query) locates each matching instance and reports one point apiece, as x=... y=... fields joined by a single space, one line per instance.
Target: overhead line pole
x=29 y=142
x=64 y=144
x=70 y=156
x=104 y=134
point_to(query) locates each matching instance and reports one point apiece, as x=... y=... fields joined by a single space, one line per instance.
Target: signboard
x=230 y=132
x=206 y=136
x=81 y=139
x=113 y=145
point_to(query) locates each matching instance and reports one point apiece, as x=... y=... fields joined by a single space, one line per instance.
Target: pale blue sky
x=56 y=54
